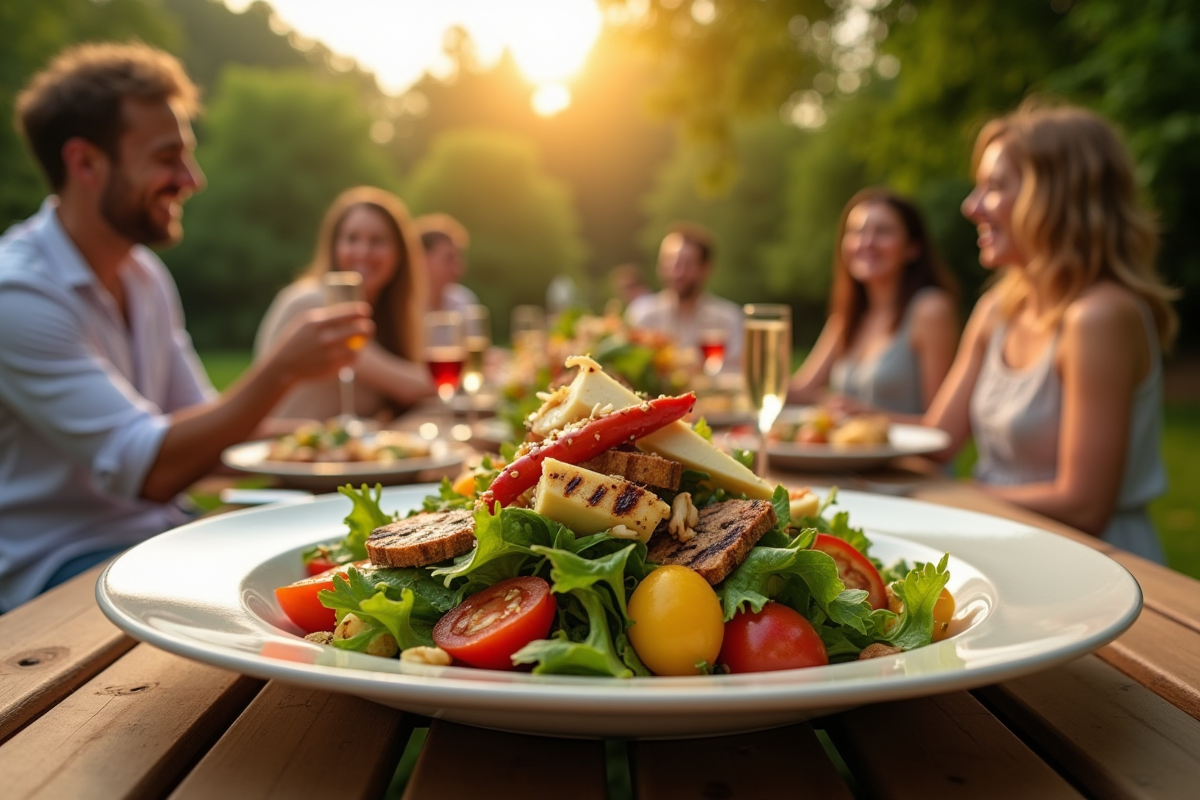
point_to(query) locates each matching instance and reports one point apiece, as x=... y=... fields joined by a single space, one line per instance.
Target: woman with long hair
x=893 y=326
x=1059 y=376
x=368 y=231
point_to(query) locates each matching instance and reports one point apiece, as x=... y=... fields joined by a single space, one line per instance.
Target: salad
x=331 y=441
x=618 y=543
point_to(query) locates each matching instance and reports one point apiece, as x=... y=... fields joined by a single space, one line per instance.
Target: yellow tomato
x=943 y=612
x=677 y=621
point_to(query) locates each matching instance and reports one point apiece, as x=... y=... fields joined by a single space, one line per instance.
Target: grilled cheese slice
x=676 y=442
x=588 y=502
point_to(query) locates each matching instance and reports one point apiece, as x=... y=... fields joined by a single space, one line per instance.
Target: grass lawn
x=1176 y=514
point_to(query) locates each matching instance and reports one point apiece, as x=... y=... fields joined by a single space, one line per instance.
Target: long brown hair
x=401 y=303
x=848 y=298
x=1077 y=217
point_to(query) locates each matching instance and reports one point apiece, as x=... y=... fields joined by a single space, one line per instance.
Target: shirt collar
x=70 y=266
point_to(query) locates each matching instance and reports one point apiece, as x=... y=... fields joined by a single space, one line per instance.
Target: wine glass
x=711 y=335
x=766 y=361
x=477 y=324
x=345 y=287
x=445 y=354
x=528 y=333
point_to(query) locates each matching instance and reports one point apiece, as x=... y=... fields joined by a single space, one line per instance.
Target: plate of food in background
x=813 y=439
x=319 y=457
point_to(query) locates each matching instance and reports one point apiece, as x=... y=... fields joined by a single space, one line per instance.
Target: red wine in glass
x=446 y=367
x=712 y=350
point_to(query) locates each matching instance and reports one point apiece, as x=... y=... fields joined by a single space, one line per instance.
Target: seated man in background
x=444 y=239
x=682 y=309
x=105 y=413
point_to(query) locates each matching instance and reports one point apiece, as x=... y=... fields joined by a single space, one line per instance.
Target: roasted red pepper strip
x=576 y=446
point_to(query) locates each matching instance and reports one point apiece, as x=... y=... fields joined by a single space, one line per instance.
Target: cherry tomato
x=853 y=568
x=677 y=621
x=943 y=612
x=489 y=626
x=299 y=600
x=775 y=638
x=318 y=564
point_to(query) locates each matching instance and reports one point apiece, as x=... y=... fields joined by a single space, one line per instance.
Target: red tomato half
x=318 y=565
x=299 y=600
x=855 y=570
x=489 y=626
x=775 y=638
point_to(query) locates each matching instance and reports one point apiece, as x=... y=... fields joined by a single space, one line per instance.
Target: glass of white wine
x=477 y=325
x=346 y=287
x=767 y=362
x=528 y=333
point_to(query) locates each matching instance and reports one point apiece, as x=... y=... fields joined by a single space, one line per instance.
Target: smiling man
x=105 y=413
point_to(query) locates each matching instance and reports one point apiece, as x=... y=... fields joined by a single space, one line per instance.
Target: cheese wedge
x=677 y=441
x=588 y=502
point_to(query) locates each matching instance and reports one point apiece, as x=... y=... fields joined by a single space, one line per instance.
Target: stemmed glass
x=346 y=287
x=711 y=336
x=445 y=354
x=766 y=361
x=477 y=324
x=528 y=333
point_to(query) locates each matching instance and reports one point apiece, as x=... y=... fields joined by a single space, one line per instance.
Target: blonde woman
x=1059 y=376
x=368 y=231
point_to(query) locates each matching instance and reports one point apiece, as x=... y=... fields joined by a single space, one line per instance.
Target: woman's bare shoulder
x=1103 y=307
x=933 y=304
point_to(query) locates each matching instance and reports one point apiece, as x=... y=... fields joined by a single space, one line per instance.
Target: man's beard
x=119 y=207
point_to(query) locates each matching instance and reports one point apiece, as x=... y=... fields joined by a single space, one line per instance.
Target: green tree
x=277 y=147
x=32 y=33
x=523 y=225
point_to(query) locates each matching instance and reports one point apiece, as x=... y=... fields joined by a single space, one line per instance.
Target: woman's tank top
x=891 y=380
x=1016 y=416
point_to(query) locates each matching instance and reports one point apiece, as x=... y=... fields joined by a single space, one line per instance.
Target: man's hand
x=318 y=343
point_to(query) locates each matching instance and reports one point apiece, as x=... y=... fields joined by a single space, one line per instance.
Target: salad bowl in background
x=1018 y=612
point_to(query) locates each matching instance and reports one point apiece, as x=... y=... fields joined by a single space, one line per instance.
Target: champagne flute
x=445 y=354
x=346 y=287
x=477 y=325
x=767 y=359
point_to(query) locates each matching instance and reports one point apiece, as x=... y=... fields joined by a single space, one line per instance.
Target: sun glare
x=399 y=40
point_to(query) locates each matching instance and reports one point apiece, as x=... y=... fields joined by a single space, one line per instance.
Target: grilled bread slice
x=724 y=535
x=643 y=468
x=423 y=539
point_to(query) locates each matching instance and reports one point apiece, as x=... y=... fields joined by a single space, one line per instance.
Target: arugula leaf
x=359 y=594
x=396 y=616
x=364 y=517
x=503 y=542
x=446 y=499
x=778 y=535
x=744 y=457
x=919 y=592
x=702 y=428
x=595 y=655
x=767 y=570
x=570 y=572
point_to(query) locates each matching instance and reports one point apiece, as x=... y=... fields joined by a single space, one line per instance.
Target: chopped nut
x=879 y=650
x=622 y=532
x=434 y=656
x=320 y=637
x=684 y=517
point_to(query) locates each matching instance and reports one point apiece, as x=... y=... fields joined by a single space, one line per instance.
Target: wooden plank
x=463 y=763
x=942 y=746
x=775 y=763
x=300 y=743
x=130 y=732
x=1114 y=737
x=52 y=645
x=1168 y=592
x=1163 y=656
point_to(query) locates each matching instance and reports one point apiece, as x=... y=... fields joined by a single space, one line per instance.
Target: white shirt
x=660 y=312
x=83 y=401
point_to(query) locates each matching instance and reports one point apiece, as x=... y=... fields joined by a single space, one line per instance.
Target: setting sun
x=399 y=40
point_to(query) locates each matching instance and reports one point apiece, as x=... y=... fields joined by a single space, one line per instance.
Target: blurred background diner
x=568 y=137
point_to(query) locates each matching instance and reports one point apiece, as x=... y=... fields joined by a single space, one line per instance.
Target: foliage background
x=758 y=118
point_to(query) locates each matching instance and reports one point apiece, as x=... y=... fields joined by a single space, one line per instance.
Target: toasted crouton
x=423 y=539
x=643 y=468
x=724 y=535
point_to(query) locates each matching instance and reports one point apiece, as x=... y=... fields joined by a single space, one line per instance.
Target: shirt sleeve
x=64 y=389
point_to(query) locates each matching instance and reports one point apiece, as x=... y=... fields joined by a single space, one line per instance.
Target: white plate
x=903 y=440
x=1018 y=612
x=328 y=475
x=489 y=434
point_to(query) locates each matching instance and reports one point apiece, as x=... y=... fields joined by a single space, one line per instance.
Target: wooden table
x=85 y=711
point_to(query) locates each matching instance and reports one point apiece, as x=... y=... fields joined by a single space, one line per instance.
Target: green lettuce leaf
x=919 y=592
x=703 y=430
x=364 y=517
